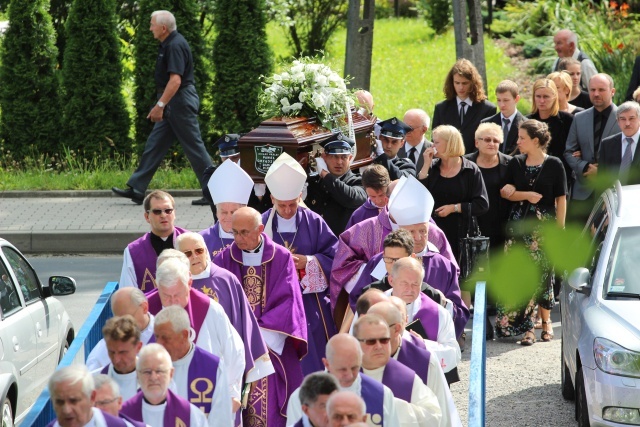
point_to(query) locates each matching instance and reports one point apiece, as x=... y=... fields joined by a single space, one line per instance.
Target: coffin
x=298 y=137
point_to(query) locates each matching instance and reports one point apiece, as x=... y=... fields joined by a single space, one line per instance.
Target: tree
x=240 y=56
x=96 y=116
x=146 y=51
x=29 y=87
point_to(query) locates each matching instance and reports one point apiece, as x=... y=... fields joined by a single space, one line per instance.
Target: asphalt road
x=523 y=383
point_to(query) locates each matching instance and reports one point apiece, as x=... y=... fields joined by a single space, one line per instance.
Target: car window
x=27 y=278
x=598 y=226
x=625 y=258
x=9 y=299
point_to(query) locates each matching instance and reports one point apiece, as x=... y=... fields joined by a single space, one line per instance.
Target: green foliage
x=438 y=13
x=146 y=51
x=95 y=114
x=29 y=86
x=240 y=56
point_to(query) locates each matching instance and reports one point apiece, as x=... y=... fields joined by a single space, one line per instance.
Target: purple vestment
x=197 y=308
x=177 y=409
x=415 y=358
x=372 y=392
x=313 y=237
x=110 y=420
x=144 y=260
x=202 y=382
x=273 y=291
x=399 y=379
x=429 y=317
x=224 y=287
x=214 y=242
x=360 y=243
x=366 y=211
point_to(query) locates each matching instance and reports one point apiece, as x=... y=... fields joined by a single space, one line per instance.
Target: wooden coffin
x=299 y=137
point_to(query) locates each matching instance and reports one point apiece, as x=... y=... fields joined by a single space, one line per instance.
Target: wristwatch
x=455 y=208
x=160 y=104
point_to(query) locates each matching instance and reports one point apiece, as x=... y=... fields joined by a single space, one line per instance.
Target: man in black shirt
x=392 y=136
x=175 y=114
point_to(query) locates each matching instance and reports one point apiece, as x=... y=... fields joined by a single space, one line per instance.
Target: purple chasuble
x=366 y=211
x=273 y=292
x=428 y=315
x=372 y=392
x=415 y=358
x=131 y=420
x=399 y=379
x=202 y=382
x=440 y=273
x=144 y=260
x=313 y=237
x=110 y=420
x=178 y=410
x=214 y=242
x=224 y=287
x=197 y=308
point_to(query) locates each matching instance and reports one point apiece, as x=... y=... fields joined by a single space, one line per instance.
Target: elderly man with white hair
x=565 y=43
x=212 y=330
x=204 y=387
x=109 y=399
x=155 y=404
x=73 y=397
x=345 y=408
x=415 y=143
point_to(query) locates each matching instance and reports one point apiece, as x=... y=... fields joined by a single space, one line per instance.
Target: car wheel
x=567 y=386
x=63 y=351
x=7 y=413
x=582 y=411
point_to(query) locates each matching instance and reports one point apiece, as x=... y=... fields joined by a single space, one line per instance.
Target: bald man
x=344 y=361
x=269 y=278
x=345 y=408
x=415 y=142
x=565 y=43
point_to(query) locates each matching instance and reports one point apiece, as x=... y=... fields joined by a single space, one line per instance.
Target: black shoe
x=129 y=193
x=200 y=202
x=461 y=341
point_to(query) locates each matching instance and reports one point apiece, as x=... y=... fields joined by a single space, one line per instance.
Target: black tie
x=463 y=106
x=412 y=155
x=597 y=132
x=505 y=133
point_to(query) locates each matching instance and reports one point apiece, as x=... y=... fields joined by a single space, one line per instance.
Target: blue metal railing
x=477 y=381
x=41 y=412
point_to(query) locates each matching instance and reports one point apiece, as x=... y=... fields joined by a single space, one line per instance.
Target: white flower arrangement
x=306 y=89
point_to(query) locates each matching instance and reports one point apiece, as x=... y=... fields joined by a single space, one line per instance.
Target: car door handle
x=16 y=344
x=39 y=329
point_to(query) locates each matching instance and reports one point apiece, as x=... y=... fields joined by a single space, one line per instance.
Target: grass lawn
x=408 y=71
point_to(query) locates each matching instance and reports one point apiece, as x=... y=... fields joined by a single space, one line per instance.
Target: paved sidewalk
x=85 y=222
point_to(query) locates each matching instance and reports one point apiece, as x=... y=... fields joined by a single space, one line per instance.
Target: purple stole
x=428 y=315
x=144 y=260
x=177 y=412
x=198 y=395
x=399 y=379
x=132 y=421
x=416 y=358
x=105 y=370
x=214 y=242
x=197 y=308
x=299 y=423
x=111 y=421
x=366 y=211
x=372 y=392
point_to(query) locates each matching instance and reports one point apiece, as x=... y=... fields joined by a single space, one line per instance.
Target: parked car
x=35 y=331
x=600 y=305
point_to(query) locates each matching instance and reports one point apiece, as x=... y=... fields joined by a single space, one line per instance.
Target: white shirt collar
x=634 y=136
x=206 y=273
x=418 y=147
x=511 y=118
x=287 y=225
x=251 y=259
x=223 y=234
x=466 y=101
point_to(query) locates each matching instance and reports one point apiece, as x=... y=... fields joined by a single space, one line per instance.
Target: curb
x=69 y=242
x=84 y=193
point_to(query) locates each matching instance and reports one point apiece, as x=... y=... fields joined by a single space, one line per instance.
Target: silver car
x=35 y=331
x=601 y=316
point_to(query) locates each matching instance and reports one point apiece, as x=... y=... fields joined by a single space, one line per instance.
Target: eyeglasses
x=160 y=211
x=243 y=233
x=389 y=260
x=149 y=372
x=373 y=341
x=489 y=140
x=106 y=402
x=198 y=251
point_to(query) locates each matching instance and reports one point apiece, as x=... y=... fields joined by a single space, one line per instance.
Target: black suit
x=511 y=144
x=404 y=155
x=447 y=113
x=397 y=167
x=611 y=157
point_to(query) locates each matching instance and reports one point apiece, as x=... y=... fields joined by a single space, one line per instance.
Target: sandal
x=545 y=335
x=538 y=323
x=528 y=339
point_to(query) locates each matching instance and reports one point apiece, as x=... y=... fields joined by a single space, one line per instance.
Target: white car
x=600 y=307
x=35 y=331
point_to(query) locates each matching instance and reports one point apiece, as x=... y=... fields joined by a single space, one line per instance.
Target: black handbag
x=474 y=247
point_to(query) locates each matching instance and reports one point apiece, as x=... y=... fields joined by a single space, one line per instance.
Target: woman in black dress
x=537 y=186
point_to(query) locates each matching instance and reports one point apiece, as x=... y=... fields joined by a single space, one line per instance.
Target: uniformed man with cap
x=228 y=150
x=335 y=192
x=392 y=137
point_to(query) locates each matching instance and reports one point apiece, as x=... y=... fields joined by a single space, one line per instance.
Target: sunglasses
x=489 y=140
x=198 y=251
x=373 y=341
x=160 y=211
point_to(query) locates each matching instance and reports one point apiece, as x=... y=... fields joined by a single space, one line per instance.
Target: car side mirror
x=579 y=280
x=62 y=285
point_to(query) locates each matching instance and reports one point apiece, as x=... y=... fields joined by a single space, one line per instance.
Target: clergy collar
x=205 y=273
x=287 y=225
x=185 y=359
x=159 y=244
x=223 y=234
x=258 y=249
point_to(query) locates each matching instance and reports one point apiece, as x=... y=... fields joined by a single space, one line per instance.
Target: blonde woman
x=563 y=84
x=578 y=97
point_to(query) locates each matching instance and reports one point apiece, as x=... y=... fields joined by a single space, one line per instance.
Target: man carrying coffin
x=419 y=360
x=270 y=281
x=225 y=289
x=199 y=376
x=230 y=189
x=212 y=328
x=155 y=404
x=140 y=256
x=312 y=245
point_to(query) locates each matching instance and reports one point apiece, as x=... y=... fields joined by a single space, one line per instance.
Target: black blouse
x=582 y=100
x=551 y=181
